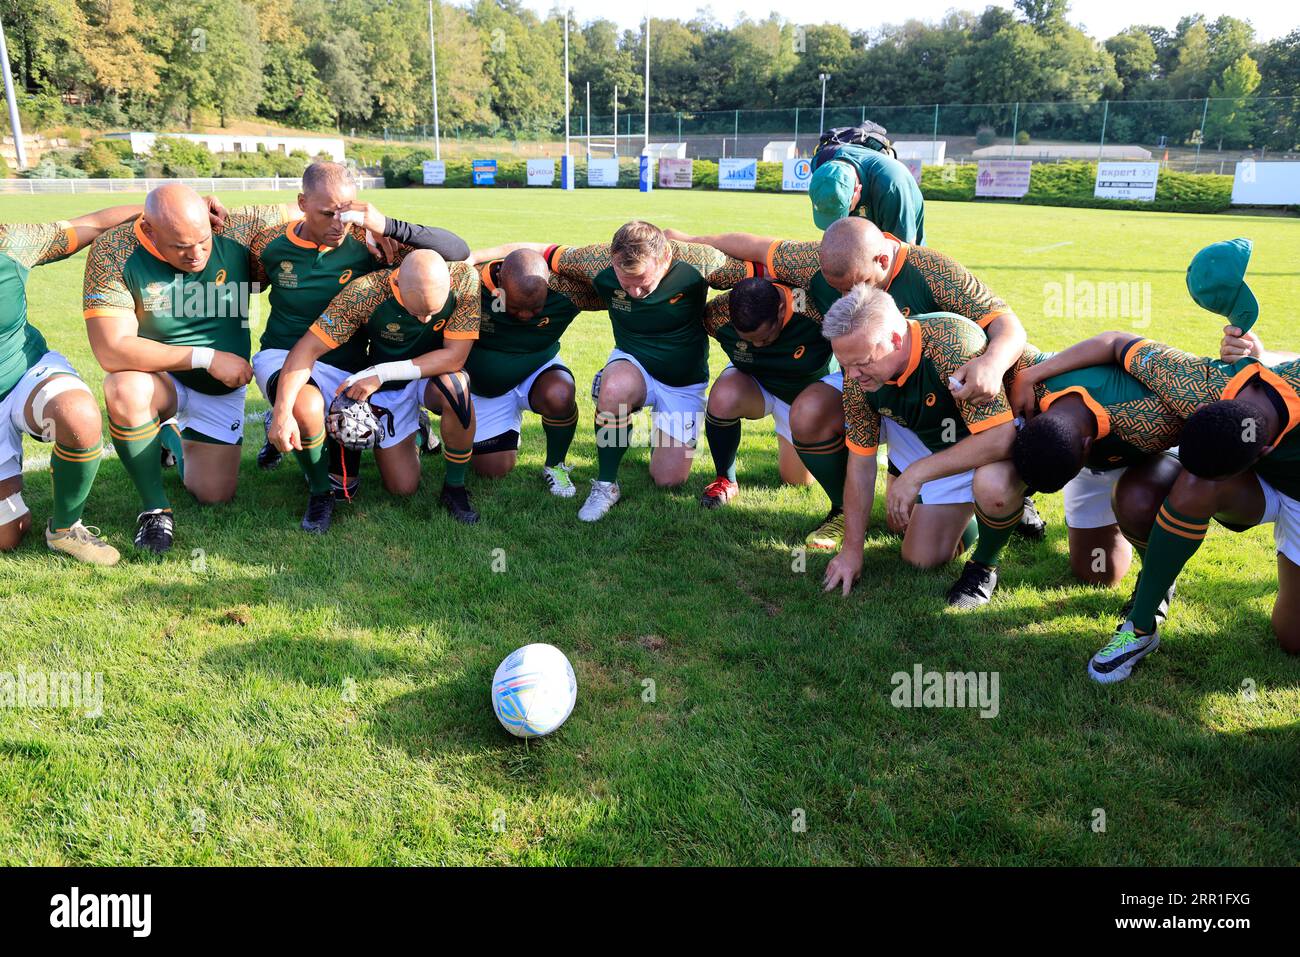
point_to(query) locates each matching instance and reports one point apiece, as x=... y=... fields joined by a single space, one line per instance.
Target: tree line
x=363 y=65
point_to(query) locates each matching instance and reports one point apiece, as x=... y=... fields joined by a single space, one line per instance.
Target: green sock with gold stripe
x=994 y=530
x=140 y=449
x=315 y=464
x=1175 y=537
x=457 y=464
x=827 y=461
x=74 y=471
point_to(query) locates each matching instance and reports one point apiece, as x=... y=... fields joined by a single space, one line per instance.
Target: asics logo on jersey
x=676 y=298
x=346 y=275
x=798 y=353
x=929 y=400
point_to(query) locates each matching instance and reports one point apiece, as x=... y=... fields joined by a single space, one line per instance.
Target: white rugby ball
x=534 y=690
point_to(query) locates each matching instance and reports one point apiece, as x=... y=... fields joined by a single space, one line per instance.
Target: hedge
x=1050 y=184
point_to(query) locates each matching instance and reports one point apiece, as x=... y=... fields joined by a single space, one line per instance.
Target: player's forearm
x=450 y=358
x=296 y=372
x=1101 y=349
x=1007 y=341
x=90 y=226
x=504 y=250
x=747 y=246
x=991 y=445
x=442 y=241
x=136 y=354
x=859 y=496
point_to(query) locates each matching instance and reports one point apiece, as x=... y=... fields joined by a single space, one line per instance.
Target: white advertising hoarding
x=736 y=173
x=541 y=172
x=796 y=174
x=1003 y=179
x=435 y=172
x=602 y=172
x=1127 y=181
x=1266 y=184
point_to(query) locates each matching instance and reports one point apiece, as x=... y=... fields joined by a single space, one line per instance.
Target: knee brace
x=12 y=508
x=54 y=386
x=505 y=442
x=454 y=387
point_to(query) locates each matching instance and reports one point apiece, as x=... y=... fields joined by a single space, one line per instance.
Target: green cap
x=831 y=191
x=1216 y=278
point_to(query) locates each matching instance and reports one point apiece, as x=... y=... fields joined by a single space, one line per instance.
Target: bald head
x=424 y=282
x=176 y=222
x=327 y=190
x=854 y=250
x=524 y=280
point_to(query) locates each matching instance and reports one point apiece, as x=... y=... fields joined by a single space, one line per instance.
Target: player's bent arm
x=747 y=246
x=450 y=358
x=859 y=496
x=89 y=227
x=981 y=448
x=1102 y=349
x=117 y=347
x=477 y=256
x=294 y=375
x=442 y=241
x=982 y=376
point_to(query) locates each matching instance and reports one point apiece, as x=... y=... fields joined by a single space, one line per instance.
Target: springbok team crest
x=156 y=296
x=287 y=279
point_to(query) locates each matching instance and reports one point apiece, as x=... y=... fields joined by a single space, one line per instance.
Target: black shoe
x=1031 y=524
x=154 y=531
x=320 y=509
x=974 y=588
x=1162 y=610
x=268 y=456
x=426 y=439
x=455 y=499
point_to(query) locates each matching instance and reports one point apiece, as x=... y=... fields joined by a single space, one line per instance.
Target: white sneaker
x=558 y=481
x=601 y=500
x=83 y=543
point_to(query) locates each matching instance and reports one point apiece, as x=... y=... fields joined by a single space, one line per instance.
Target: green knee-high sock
x=139 y=448
x=559 y=436
x=457 y=463
x=827 y=461
x=724 y=443
x=1174 y=539
x=171 y=440
x=314 y=463
x=74 y=472
x=613 y=435
x=971 y=534
x=994 y=531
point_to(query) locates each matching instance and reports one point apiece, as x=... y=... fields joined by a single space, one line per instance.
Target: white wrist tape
x=402 y=371
x=201 y=357
x=351 y=216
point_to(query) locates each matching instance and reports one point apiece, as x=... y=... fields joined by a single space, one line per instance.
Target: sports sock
x=1174 y=539
x=171 y=440
x=139 y=448
x=613 y=435
x=994 y=530
x=971 y=534
x=74 y=472
x=314 y=463
x=827 y=461
x=559 y=436
x=724 y=442
x=457 y=463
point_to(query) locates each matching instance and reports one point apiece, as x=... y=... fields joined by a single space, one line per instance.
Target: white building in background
x=1050 y=153
x=142 y=143
x=778 y=151
x=929 y=152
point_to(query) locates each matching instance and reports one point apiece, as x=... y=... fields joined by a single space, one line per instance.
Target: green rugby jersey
x=24 y=246
x=1133 y=422
x=508 y=349
x=662 y=331
x=796 y=359
x=939 y=344
x=1186 y=382
x=372 y=304
x=890 y=196
x=304 y=278
x=126 y=276
x=923 y=281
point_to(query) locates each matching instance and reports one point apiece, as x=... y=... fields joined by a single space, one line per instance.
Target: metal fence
x=1205 y=135
x=204 y=184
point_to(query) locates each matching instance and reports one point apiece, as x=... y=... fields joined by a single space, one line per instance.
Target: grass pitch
x=274 y=698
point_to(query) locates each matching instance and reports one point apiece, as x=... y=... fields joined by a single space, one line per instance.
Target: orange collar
x=392 y=285
x=899 y=259
x=485 y=274
x=787 y=303
x=914 y=358
x=291 y=231
x=1278 y=384
x=145 y=241
x=1095 y=407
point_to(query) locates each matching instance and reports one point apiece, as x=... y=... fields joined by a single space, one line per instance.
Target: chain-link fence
x=1204 y=135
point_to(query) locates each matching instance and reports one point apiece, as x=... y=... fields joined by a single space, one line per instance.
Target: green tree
x=340 y=60
x=1230 y=117
x=1136 y=60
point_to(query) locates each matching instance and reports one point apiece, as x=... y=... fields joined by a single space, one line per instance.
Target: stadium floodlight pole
x=588 y=121
x=20 y=151
x=433 y=74
x=566 y=82
x=615 y=121
x=823 y=77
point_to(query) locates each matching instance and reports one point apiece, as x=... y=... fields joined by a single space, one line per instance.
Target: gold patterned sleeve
x=862 y=433
x=717 y=313
x=1184 y=382
x=950 y=344
x=955 y=288
x=105 y=292
x=583 y=263
x=579 y=293
x=793 y=263
x=244 y=223
x=463 y=323
x=35 y=244
x=718 y=269
x=349 y=310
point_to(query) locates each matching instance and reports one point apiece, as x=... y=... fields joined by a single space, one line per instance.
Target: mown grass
x=287 y=699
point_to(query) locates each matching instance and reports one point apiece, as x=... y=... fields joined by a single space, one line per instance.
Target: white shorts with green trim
x=1088 y=498
x=270 y=361
x=1284 y=512
x=906 y=447
x=779 y=409
x=13 y=423
x=219 y=417
x=678 y=410
x=404 y=400
x=498 y=414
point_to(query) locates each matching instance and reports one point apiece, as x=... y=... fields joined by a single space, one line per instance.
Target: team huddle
x=864 y=339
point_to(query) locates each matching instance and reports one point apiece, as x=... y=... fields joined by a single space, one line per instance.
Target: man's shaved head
x=851 y=252
x=425 y=282
x=176 y=222
x=327 y=189
x=323 y=175
x=524 y=278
